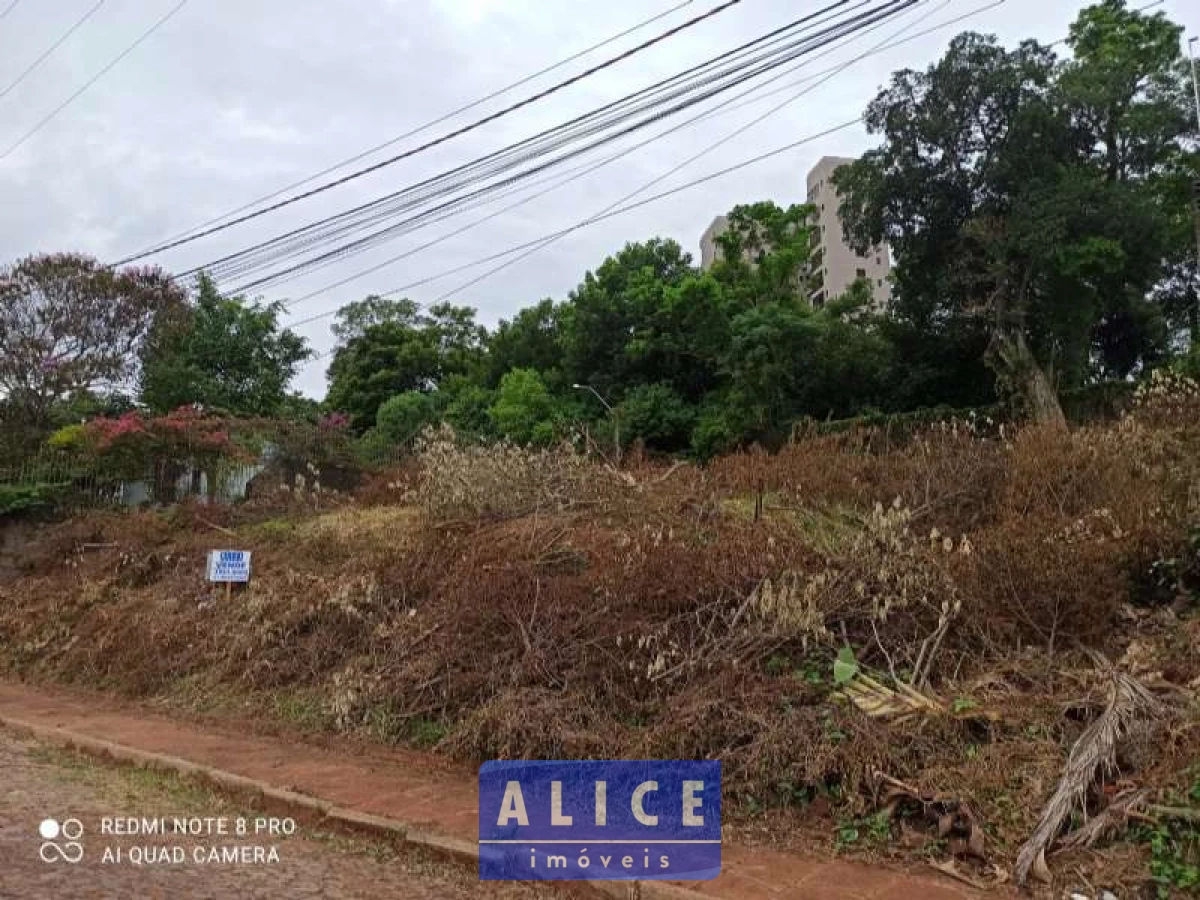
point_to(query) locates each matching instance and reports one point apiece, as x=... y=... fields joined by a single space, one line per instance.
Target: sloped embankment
x=892 y=642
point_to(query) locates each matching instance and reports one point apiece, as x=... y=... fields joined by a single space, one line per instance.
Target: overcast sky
x=232 y=100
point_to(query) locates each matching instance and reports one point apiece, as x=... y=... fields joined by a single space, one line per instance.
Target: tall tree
x=524 y=411
x=613 y=302
x=69 y=325
x=222 y=353
x=356 y=317
x=532 y=339
x=765 y=254
x=1023 y=196
x=392 y=347
x=386 y=359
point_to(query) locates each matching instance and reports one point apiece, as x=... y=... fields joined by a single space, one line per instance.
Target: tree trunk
x=1020 y=374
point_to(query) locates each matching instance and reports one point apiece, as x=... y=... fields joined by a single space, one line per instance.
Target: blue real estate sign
x=634 y=820
x=229 y=565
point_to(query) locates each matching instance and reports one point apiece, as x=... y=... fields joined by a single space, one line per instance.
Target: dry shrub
x=536 y=605
x=389 y=486
x=459 y=480
x=369 y=529
x=891 y=592
x=535 y=723
x=944 y=474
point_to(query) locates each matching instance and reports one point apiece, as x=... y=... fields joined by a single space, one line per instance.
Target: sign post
x=229 y=567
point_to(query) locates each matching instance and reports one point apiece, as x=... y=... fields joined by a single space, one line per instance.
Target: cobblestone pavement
x=38 y=783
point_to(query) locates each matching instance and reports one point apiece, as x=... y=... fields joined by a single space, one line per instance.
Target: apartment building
x=710 y=251
x=835 y=265
x=833 y=260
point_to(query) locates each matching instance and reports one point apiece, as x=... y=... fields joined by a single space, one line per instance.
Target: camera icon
x=60 y=841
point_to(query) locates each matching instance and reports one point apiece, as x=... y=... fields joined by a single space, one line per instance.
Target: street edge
x=308 y=808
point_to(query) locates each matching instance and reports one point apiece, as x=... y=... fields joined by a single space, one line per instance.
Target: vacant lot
x=892 y=644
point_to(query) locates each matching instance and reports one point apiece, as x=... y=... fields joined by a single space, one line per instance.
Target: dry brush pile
x=924 y=629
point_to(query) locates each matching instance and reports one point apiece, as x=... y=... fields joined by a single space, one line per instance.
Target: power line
x=704 y=152
x=37 y=62
x=608 y=63
x=581 y=172
x=120 y=56
x=711 y=176
x=11 y=7
x=431 y=123
x=722 y=79
x=492 y=164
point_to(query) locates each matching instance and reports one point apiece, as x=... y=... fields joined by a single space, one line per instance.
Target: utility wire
x=10 y=8
x=539 y=243
x=439 y=120
x=37 y=62
x=608 y=215
x=737 y=132
x=608 y=63
x=492 y=164
x=731 y=76
x=120 y=56
x=581 y=172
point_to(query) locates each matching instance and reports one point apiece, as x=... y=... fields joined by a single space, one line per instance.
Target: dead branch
x=1093 y=755
x=1110 y=821
x=667 y=474
x=220 y=528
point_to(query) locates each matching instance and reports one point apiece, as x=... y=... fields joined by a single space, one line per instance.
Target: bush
x=401 y=418
x=657 y=415
x=461 y=481
x=21 y=498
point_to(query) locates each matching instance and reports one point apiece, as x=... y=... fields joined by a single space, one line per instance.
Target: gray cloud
x=232 y=100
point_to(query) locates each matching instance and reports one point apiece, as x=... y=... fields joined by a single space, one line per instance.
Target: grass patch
x=306 y=711
x=394 y=728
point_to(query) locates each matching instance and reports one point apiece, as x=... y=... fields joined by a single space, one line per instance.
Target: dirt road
x=40 y=783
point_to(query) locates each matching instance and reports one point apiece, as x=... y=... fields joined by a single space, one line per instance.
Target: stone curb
x=309 y=808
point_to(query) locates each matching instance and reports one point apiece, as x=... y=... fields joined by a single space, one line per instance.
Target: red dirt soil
x=426 y=792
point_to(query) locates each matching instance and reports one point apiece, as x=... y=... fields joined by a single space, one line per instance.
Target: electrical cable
x=790 y=51
x=779 y=107
x=497 y=161
x=588 y=168
x=37 y=62
x=608 y=63
x=711 y=176
x=431 y=123
x=91 y=81
x=724 y=109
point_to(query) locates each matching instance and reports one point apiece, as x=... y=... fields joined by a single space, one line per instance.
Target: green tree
x=1024 y=197
x=682 y=339
x=465 y=407
x=223 y=353
x=524 y=411
x=765 y=254
x=402 y=417
x=355 y=318
x=532 y=339
x=385 y=360
x=658 y=416
x=392 y=347
x=611 y=304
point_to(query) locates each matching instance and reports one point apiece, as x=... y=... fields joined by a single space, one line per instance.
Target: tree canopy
x=69 y=325
x=1032 y=199
x=222 y=353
